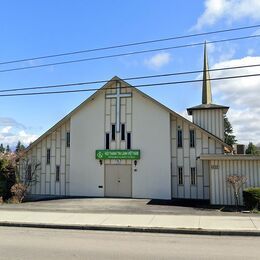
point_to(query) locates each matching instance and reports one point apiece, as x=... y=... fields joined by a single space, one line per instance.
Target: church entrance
x=118 y=181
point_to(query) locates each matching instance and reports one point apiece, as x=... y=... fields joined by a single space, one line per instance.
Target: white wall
x=221 y=191
x=151 y=134
x=87 y=135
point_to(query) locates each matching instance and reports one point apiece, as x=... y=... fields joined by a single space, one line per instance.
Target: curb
x=196 y=231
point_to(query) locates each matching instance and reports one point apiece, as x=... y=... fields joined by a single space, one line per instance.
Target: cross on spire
x=118 y=95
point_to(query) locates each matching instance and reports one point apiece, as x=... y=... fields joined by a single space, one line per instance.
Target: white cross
x=118 y=95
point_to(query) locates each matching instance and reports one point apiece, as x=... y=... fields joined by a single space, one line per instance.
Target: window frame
x=68 y=139
x=193 y=176
x=122 y=132
x=113 y=132
x=48 y=156
x=57 y=173
x=192 y=138
x=107 y=141
x=180 y=173
x=29 y=172
x=128 y=141
x=179 y=138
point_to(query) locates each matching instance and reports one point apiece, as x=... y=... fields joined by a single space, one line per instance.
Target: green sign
x=118 y=154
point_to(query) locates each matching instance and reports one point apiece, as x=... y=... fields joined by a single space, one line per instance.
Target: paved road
x=23 y=243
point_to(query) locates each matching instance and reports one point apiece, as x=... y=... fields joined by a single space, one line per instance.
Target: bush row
x=252 y=198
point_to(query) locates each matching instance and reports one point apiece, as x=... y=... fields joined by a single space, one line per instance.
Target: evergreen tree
x=252 y=149
x=230 y=139
x=8 y=150
x=19 y=147
x=2 y=149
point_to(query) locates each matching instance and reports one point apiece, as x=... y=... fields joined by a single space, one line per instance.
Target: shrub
x=252 y=198
x=19 y=191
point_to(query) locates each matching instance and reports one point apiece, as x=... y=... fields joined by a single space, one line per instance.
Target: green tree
x=230 y=139
x=19 y=147
x=8 y=150
x=252 y=149
x=2 y=149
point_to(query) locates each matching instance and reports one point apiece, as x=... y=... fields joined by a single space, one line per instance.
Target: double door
x=118 y=181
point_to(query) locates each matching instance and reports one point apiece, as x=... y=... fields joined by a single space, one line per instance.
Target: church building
x=120 y=142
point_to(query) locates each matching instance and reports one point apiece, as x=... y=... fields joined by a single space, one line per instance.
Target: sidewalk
x=186 y=224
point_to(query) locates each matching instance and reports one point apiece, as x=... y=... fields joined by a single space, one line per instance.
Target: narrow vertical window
x=180 y=175
x=192 y=138
x=128 y=146
x=193 y=176
x=113 y=137
x=123 y=132
x=57 y=173
x=179 y=137
x=107 y=141
x=29 y=172
x=68 y=139
x=48 y=156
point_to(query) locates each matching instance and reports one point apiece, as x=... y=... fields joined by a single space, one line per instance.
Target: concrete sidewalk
x=189 y=224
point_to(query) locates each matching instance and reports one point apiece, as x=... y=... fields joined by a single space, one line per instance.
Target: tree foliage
x=230 y=139
x=252 y=149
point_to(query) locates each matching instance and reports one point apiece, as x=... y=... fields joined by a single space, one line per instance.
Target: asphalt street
x=26 y=243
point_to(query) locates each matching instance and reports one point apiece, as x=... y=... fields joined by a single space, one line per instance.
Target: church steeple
x=208 y=115
x=206 y=87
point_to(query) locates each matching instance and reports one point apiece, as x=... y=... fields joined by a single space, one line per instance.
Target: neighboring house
x=122 y=143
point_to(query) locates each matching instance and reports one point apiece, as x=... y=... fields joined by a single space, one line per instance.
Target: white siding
x=221 y=192
x=211 y=120
x=46 y=174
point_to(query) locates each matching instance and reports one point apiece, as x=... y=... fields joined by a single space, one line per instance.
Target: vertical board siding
x=186 y=157
x=221 y=192
x=46 y=174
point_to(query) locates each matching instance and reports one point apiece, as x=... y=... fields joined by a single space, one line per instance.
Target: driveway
x=116 y=206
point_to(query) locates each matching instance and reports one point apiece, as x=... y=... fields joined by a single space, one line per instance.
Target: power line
x=136 y=86
x=130 y=53
x=130 y=44
x=129 y=78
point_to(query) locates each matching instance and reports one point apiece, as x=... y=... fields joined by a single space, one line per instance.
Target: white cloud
x=12 y=131
x=242 y=95
x=6 y=129
x=158 y=60
x=228 y=10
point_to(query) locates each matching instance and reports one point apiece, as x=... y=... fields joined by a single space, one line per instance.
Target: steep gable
x=124 y=84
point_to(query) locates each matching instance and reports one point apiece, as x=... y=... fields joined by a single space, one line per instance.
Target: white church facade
x=122 y=143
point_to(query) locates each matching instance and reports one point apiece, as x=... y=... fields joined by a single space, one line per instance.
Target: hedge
x=252 y=198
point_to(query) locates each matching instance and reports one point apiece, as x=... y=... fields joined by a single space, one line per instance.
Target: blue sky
x=35 y=28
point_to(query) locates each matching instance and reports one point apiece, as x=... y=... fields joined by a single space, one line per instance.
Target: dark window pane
x=113 y=133
x=107 y=140
x=123 y=132
x=180 y=176
x=192 y=138
x=48 y=156
x=179 y=138
x=29 y=173
x=57 y=173
x=68 y=139
x=128 y=146
x=193 y=176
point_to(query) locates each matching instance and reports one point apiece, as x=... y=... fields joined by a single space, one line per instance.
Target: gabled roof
x=115 y=78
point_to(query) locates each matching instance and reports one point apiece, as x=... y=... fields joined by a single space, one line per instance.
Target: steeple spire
x=206 y=88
